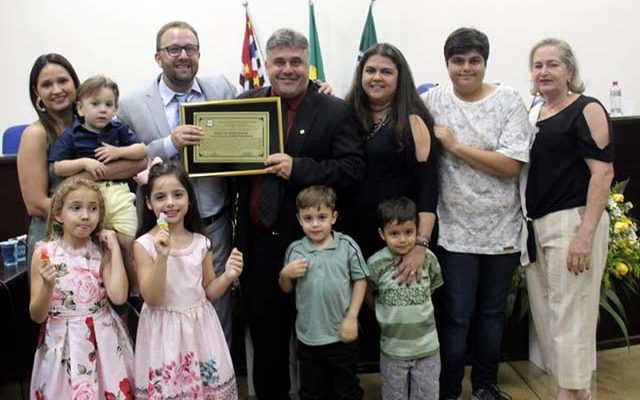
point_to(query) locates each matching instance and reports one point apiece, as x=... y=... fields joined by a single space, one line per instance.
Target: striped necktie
x=179 y=99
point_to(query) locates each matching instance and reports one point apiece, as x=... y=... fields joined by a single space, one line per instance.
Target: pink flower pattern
x=86 y=288
x=186 y=378
x=81 y=330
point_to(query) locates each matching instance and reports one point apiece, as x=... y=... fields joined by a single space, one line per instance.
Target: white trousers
x=564 y=306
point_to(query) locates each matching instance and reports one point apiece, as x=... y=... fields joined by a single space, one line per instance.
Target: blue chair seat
x=11 y=139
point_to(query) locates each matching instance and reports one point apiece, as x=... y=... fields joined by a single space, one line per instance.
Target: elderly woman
x=486 y=135
x=52 y=88
x=567 y=189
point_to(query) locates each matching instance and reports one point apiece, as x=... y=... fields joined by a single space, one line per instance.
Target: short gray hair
x=289 y=38
x=575 y=83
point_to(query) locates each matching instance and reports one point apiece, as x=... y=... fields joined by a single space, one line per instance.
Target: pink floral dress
x=84 y=350
x=181 y=352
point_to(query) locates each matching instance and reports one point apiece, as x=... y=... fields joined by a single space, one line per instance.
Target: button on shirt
x=210 y=192
x=172 y=108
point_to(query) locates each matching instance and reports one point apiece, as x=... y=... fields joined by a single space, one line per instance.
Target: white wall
x=117 y=38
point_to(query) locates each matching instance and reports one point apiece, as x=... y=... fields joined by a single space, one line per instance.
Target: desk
x=14 y=217
x=18 y=334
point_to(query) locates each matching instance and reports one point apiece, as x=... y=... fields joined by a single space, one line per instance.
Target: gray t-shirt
x=480 y=213
x=323 y=294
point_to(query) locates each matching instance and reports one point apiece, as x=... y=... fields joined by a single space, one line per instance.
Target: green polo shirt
x=323 y=294
x=405 y=313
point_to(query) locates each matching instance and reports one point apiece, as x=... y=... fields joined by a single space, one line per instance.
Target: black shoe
x=490 y=393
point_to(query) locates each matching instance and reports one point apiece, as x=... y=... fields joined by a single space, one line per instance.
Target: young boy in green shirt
x=329 y=273
x=409 y=347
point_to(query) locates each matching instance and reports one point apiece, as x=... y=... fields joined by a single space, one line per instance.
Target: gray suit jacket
x=144 y=112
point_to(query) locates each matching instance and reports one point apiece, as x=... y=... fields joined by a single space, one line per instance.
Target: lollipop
x=44 y=255
x=162 y=221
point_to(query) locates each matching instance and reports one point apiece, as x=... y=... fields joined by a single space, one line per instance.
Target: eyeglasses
x=175 y=51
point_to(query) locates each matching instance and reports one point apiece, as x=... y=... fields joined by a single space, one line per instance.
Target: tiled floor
x=617 y=378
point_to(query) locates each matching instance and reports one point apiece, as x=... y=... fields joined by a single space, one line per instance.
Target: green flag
x=316 y=70
x=368 y=37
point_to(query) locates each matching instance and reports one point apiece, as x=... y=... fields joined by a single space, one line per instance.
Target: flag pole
x=252 y=72
x=255 y=37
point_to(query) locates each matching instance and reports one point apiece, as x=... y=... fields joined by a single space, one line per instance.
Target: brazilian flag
x=316 y=70
x=369 y=37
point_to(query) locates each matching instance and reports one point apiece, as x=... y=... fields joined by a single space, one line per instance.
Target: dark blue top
x=78 y=142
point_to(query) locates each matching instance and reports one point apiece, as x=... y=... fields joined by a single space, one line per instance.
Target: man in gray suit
x=153 y=114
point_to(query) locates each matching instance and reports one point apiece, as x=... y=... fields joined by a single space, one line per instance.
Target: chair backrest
x=423 y=88
x=11 y=139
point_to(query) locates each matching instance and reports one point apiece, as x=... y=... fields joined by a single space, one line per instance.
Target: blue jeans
x=474 y=295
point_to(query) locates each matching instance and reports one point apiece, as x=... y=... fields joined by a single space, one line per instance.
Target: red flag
x=252 y=73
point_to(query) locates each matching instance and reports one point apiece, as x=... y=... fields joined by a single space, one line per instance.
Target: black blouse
x=392 y=172
x=558 y=174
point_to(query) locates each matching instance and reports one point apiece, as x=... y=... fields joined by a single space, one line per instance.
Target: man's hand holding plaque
x=279 y=164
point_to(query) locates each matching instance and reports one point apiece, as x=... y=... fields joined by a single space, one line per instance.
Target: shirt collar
x=77 y=126
x=293 y=103
x=309 y=247
x=167 y=94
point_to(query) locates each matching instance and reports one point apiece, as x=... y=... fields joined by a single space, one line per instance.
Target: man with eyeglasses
x=153 y=114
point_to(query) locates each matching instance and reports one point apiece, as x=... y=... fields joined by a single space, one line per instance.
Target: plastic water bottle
x=615 y=95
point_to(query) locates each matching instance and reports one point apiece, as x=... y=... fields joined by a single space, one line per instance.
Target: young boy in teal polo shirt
x=409 y=347
x=329 y=273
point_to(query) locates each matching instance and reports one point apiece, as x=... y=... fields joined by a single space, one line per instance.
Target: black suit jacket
x=326 y=143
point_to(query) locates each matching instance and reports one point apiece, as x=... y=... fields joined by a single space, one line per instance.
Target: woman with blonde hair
x=570 y=172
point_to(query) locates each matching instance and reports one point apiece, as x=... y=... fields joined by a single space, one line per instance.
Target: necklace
x=553 y=109
x=380 y=123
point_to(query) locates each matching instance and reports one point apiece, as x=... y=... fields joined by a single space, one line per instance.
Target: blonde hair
x=575 y=83
x=54 y=228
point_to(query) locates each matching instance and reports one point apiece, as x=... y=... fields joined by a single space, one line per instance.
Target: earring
x=40 y=105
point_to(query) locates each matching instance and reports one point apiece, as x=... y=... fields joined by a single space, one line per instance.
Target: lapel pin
x=301 y=131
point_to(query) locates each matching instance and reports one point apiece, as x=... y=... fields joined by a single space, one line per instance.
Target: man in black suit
x=323 y=145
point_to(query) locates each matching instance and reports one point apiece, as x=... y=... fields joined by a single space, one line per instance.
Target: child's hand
x=162 y=242
x=95 y=168
x=107 y=153
x=348 y=329
x=49 y=273
x=295 y=269
x=108 y=238
x=234 y=265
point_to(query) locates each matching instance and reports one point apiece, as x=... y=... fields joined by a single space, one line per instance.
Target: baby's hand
x=234 y=265
x=348 y=329
x=295 y=269
x=108 y=238
x=162 y=242
x=107 y=153
x=95 y=168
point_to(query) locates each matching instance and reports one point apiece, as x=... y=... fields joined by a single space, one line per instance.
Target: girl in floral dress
x=84 y=350
x=181 y=352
